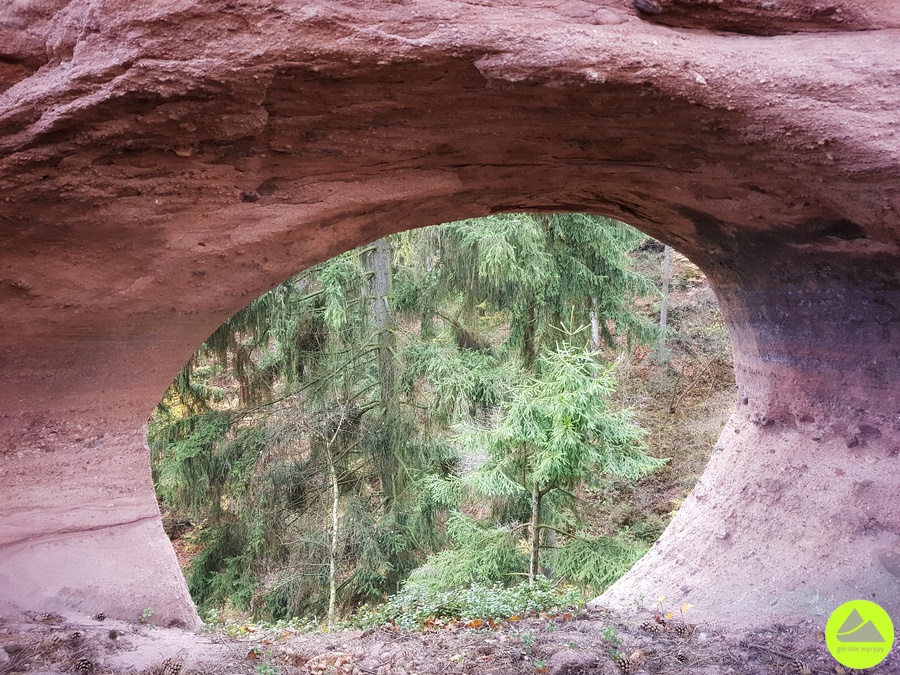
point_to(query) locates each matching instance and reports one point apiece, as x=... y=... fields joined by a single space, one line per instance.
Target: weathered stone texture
x=163 y=163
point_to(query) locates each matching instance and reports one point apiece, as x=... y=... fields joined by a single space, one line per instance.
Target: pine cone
x=651 y=626
x=99 y=616
x=171 y=666
x=84 y=666
x=49 y=617
x=682 y=629
x=632 y=663
x=800 y=668
x=55 y=641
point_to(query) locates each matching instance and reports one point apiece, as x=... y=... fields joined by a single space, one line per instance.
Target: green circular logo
x=859 y=634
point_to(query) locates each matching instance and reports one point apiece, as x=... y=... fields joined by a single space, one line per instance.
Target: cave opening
x=457 y=292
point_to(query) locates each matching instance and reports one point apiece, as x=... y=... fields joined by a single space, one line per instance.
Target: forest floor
x=585 y=642
x=683 y=401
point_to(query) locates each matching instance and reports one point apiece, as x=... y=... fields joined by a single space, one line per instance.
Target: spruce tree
x=539 y=270
x=555 y=432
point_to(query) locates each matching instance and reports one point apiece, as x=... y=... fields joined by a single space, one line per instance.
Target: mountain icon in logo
x=857 y=629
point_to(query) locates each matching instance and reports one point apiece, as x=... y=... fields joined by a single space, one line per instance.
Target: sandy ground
x=588 y=641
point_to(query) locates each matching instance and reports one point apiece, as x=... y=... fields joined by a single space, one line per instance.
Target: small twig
x=225 y=642
x=778 y=652
x=676 y=400
x=770 y=650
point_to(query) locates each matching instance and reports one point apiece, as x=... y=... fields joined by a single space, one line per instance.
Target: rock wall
x=162 y=164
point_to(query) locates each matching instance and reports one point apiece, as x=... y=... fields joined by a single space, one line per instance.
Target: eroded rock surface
x=164 y=163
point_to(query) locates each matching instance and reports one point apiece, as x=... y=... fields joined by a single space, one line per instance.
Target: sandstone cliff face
x=163 y=163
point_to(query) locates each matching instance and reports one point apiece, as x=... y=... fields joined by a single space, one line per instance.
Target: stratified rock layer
x=164 y=163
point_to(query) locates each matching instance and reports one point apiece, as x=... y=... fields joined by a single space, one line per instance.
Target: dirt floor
x=586 y=641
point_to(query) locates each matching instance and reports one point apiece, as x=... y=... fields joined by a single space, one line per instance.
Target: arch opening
x=457 y=359
x=779 y=448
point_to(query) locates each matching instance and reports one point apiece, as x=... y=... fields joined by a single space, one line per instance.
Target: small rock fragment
x=648 y=7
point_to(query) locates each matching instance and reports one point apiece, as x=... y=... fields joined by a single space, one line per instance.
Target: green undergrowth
x=415 y=606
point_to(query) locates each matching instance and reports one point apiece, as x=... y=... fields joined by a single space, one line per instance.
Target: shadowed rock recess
x=163 y=163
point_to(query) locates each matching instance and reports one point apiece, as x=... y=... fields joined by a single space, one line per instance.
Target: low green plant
x=594 y=563
x=146 y=615
x=267 y=669
x=212 y=619
x=415 y=604
x=611 y=635
x=481 y=554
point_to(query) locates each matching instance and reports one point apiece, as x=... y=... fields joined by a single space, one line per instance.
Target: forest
x=503 y=403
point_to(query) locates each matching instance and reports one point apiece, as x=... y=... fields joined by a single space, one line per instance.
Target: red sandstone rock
x=163 y=163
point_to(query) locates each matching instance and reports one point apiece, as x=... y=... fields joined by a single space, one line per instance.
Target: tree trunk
x=595 y=327
x=661 y=352
x=535 y=534
x=333 y=552
x=528 y=339
x=379 y=262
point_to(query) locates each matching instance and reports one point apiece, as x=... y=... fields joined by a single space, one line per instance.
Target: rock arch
x=163 y=164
